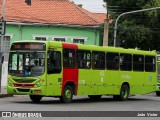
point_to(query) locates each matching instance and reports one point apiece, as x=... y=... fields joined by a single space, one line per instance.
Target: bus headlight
x=39 y=83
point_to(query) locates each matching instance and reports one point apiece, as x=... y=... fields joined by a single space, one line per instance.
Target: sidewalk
x=5 y=95
x=3 y=92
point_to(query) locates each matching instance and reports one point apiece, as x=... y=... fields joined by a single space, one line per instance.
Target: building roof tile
x=50 y=12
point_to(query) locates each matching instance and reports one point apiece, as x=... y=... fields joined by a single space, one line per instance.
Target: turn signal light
x=37 y=91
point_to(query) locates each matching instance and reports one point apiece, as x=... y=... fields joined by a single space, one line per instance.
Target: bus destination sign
x=28 y=46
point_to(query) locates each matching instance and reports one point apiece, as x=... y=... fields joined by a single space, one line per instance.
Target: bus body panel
x=54 y=85
x=70 y=75
x=84 y=82
x=54 y=81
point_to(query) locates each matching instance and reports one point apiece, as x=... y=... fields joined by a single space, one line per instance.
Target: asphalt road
x=149 y=102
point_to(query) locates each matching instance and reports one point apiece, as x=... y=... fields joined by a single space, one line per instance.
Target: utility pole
x=3 y=25
x=136 y=11
x=106 y=28
x=105 y=35
x=2 y=33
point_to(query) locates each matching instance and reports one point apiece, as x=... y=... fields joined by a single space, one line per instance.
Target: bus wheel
x=35 y=98
x=158 y=93
x=67 y=94
x=124 y=93
x=95 y=97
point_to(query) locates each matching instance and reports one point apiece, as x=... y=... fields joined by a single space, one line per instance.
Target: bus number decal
x=126 y=76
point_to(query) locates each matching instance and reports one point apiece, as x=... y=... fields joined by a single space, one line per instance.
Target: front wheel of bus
x=67 y=95
x=35 y=98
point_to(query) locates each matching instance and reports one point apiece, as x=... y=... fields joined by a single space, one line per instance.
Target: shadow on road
x=52 y=100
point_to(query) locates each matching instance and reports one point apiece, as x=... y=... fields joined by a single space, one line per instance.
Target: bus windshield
x=26 y=63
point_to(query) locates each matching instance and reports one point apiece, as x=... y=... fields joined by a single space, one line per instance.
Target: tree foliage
x=140 y=30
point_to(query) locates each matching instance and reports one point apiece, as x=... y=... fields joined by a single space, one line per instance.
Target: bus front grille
x=24 y=80
x=24 y=85
x=23 y=90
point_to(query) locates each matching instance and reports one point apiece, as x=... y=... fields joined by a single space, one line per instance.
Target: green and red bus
x=58 y=69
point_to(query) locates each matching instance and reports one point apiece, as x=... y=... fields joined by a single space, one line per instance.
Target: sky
x=92 y=5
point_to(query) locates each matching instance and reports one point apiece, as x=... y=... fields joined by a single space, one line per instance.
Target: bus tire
x=67 y=94
x=95 y=97
x=124 y=92
x=158 y=93
x=35 y=98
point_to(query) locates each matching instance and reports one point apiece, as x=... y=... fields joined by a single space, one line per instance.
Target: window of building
x=112 y=61
x=40 y=38
x=98 y=60
x=59 y=39
x=83 y=59
x=68 y=58
x=125 y=62
x=138 y=63
x=150 y=64
x=81 y=41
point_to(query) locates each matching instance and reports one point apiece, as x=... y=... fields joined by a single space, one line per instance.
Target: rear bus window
x=150 y=65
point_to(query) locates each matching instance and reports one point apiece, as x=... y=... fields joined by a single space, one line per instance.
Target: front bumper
x=26 y=91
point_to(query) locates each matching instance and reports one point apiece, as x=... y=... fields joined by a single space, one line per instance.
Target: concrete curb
x=5 y=95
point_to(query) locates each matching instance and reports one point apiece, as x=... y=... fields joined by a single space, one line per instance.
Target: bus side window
x=112 y=61
x=138 y=63
x=98 y=60
x=125 y=61
x=83 y=59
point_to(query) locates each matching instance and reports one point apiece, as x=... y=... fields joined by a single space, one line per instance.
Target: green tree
x=139 y=30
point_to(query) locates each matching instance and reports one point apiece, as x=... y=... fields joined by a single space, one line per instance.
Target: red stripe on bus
x=70 y=74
